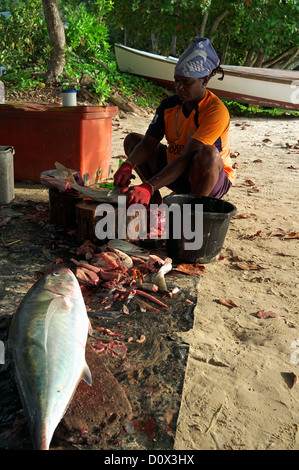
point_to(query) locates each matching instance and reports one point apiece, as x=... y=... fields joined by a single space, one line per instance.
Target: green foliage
x=93 y=25
x=88 y=50
x=238 y=109
x=86 y=35
x=24 y=40
x=268 y=27
x=99 y=8
x=9 y=5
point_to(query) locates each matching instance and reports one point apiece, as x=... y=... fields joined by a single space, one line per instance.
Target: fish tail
x=44 y=444
x=41 y=441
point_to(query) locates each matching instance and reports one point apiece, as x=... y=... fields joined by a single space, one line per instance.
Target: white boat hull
x=260 y=86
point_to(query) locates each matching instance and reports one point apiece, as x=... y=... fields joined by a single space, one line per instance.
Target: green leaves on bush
x=24 y=40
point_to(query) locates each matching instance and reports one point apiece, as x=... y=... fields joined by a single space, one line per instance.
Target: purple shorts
x=182 y=184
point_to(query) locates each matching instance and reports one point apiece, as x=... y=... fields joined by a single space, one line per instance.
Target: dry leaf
x=191 y=269
x=279 y=232
x=253 y=189
x=250 y=237
x=258 y=160
x=292 y=146
x=290 y=324
x=236 y=166
x=236 y=258
x=228 y=302
x=268 y=313
x=244 y=215
x=295 y=378
x=249 y=183
x=249 y=266
x=234 y=154
x=291 y=235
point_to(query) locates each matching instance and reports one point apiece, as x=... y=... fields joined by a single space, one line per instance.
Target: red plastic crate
x=78 y=137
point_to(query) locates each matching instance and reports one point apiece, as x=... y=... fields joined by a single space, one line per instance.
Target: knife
x=116 y=191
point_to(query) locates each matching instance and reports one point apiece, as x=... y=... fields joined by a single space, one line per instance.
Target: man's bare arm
x=177 y=167
x=143 y=151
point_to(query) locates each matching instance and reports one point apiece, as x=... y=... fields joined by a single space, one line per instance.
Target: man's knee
x=206 y=158
x=130 y=142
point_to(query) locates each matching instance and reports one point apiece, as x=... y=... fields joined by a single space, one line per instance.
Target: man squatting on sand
x=196 y=126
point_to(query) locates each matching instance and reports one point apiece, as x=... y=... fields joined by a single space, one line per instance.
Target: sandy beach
x=240 y=390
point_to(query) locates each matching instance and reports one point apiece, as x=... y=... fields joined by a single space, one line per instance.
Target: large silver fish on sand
x=47 y=339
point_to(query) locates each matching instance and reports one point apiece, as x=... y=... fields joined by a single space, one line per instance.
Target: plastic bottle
x=69 y=97
x=2 y=92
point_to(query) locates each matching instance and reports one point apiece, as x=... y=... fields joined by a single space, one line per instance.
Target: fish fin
x=72 y=181
x=86 y=374
x=57 y=304
x=59 y=166
x=159 y=280
x=156 y=278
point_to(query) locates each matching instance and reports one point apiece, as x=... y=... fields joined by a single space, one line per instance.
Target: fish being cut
x=128 y=248
x=47 y=339
x=85 y=191
x=64 y=178
x=59 y=179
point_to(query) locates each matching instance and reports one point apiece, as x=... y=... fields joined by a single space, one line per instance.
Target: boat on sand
x=275 y=88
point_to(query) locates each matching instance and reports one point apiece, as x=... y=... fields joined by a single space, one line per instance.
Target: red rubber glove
x=123 y=174
x=139 y=194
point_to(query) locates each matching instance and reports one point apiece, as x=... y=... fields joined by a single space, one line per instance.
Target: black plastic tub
x=216 y=215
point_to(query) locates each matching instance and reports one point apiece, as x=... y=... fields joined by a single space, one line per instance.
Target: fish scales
x=48 y=337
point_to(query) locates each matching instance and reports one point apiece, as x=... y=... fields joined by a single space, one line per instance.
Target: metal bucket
x=216 y=215
x=7 y=188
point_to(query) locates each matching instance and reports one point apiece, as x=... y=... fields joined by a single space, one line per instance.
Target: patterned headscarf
x=198 y=60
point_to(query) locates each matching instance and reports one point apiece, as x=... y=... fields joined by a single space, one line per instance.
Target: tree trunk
x=224 y=53
x=57 y=40
x=173 y=45
x=280 y=58
x=291 y=60
x=216 y=23
x=203 y=25
x=250 y=58
x=260 y=58
x=155 y=42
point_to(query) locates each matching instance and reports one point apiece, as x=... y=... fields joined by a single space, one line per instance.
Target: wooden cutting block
x=92 y=227
x=86 y=220
x=63 y=208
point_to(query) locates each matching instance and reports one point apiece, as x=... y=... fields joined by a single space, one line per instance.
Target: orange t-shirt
x=209 y=124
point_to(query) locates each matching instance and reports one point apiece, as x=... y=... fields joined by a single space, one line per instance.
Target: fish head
x=62 y=281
